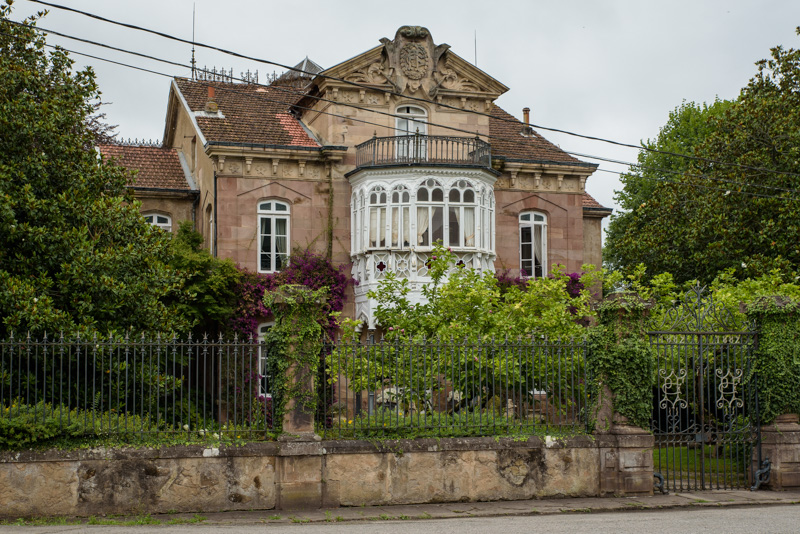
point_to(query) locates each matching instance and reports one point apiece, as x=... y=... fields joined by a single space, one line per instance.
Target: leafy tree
x=75 y=254
x=467 y=304
x=738 y=206
x=210 y=298
x=689 y=125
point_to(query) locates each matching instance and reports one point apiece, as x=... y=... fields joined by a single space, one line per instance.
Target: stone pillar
x=298 y=476
x=626 y=450
x=780 y=442
x=778 y=368
x=296 y=307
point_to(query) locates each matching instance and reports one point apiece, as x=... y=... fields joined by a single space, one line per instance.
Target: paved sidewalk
x=504 y=508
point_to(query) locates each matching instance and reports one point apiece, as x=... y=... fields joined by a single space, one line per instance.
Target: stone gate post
x=626 y=450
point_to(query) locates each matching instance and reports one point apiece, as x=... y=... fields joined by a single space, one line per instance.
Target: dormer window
x=412 y=125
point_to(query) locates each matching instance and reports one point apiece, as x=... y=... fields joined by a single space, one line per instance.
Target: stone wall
x=288 y=475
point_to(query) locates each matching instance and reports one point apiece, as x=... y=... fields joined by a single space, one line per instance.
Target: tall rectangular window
x=533 y=244
x=273 y=236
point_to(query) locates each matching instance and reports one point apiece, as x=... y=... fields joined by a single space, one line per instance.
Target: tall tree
x=75 y=254
x=738 y=205
x=627 y=241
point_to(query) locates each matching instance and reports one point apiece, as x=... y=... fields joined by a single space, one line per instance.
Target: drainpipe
x=214 y=215
x=329 y=251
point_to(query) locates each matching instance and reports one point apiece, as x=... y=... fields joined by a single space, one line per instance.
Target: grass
x=145 y=519
x=684 y=463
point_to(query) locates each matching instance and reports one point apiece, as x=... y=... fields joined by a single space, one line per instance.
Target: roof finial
x=193 y=61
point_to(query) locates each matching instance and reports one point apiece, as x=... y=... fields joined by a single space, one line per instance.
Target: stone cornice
x=420 y=172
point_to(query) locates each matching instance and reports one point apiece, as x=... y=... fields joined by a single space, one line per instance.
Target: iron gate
x=705 y=399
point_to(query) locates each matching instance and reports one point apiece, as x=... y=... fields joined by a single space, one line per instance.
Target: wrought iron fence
x=447 y=388
x=137 y=386
x=423 y=149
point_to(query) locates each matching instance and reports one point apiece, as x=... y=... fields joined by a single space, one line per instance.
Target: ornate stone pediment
x=412 y=63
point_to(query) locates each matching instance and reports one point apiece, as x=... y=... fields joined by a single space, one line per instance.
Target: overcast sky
x=606 y=68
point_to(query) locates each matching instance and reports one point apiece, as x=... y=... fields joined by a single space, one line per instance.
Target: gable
x=412 y=64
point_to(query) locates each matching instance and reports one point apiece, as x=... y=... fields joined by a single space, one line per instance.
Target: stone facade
x=297 y=143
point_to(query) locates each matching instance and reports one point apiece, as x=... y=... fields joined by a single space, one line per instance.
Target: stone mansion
x=370 y=162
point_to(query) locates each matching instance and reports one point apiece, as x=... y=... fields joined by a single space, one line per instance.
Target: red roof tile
x=590 y=202
x=253 y=114
x=508 y=141
x=157 y=167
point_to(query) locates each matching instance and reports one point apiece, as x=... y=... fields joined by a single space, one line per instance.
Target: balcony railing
x=423 y=150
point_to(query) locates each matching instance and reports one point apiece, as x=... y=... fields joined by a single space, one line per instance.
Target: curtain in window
x=266 y=244
x=373 y=227
x=454 y=234
x=395 y=225
x=281 y=244
x=469 y=227
x=537 y=251
x=423 y=220
x=406 y=227
x=437 y=226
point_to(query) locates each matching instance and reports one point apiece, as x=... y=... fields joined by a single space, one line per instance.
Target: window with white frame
x=533 y=243
x=162 y=221
x=415 y=214
x=411 y=120
x=273 y=235
x=264 y=373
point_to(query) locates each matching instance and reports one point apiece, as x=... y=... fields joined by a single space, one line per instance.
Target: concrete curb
x=703 y=499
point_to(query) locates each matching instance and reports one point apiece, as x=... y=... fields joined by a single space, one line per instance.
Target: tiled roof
x=253 y=114
x=590 y=202
x=508 y=142
x=158 y=167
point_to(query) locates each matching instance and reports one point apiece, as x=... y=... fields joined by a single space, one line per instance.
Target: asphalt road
x=750 y=520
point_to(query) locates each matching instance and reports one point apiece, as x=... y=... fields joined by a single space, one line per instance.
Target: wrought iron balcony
x=418 y=149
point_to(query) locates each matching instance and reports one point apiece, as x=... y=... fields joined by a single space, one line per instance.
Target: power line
x=299 y=93
x=365 y=86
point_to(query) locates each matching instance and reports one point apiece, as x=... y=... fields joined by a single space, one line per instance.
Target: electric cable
x=300 y=93
x=365 y=86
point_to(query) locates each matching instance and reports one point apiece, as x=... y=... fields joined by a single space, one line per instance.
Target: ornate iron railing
x=437 y=387
x=131 y=387
x=423 y=149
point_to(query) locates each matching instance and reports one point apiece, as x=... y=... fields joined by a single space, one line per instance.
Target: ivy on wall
x=777 y=361
x=621 y=358
x=295 y=342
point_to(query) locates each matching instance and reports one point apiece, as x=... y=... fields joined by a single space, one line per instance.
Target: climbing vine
x=295 y=343
x=777 y=356
x=621 y=358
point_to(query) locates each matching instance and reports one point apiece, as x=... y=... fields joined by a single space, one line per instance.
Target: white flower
x=744 y=265
x=186 y=427
x=216 y=436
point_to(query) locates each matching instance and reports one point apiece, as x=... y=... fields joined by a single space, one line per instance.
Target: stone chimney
x=211 y=104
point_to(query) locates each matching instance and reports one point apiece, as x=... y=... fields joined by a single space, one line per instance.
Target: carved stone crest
x=410 y=60
x=414 y=60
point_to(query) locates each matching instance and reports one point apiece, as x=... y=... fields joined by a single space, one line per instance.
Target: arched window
x=273 y=235
x=430 y=213
x=377 y=217
x=157 y=219
x=533 y=243
x=400 y=219
x=412 y=127
x=461 y=215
